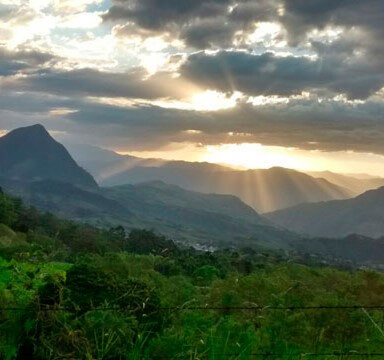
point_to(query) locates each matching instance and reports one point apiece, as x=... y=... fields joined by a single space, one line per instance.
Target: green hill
x=187 y=217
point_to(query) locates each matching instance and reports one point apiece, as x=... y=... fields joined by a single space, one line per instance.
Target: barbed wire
x=200 y=308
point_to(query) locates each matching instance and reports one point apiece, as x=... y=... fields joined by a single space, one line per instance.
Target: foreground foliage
x=78 y=292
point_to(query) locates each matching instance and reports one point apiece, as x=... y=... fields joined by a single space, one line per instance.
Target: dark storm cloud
x=201 y=24
x=205 y=34
x=12 y=62
x=352 y=64
x=195 y=21
x=161 y=15
x=302 y=15
x=34 y=103
x=268 y=74
x=362 y=27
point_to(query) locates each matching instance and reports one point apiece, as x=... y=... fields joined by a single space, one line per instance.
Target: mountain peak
x=36 y=129
x=30 y=153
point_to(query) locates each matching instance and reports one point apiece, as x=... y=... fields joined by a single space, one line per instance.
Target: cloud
x=360 y=23
x=12 y=62
x=73 y=6
x=207 y=34
x=269 y=74
x=84 y=20
x=162 y=15
x=305 y=124
x=200 y=24
x=218 y=24
x=134 y=84
x=300 y=16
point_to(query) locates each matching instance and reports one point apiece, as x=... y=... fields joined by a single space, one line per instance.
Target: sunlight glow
x=204 y=101
x=252 y=156
x=212 y=101
x=256 y=156
x=266 y=32
x=153 y=62
x=61 y=111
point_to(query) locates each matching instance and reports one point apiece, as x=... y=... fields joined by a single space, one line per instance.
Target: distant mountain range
x=362 y=215
x=264 y=190
x=356 y=184
x=41 y=171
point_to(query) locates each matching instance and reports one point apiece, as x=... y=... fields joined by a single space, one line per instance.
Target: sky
x=249 y=83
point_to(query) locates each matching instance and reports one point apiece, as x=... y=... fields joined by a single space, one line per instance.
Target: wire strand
x=203 y=308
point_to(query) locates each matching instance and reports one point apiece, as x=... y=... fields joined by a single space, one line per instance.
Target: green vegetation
x=74 y=291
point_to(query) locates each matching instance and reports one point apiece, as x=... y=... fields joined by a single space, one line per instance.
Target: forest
x=75 y=291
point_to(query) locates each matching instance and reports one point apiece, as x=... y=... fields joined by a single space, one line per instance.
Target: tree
x=147 y=242
x=8 y=215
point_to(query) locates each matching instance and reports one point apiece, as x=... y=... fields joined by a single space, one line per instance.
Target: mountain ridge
x=265 y=189
x=355 y=184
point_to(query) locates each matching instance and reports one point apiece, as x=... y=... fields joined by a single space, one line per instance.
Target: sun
x=255 y=156
x=210 y=100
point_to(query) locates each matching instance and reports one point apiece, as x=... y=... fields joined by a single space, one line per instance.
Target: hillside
x=30 y=154
x=356 y=248
x=217 y=220
x=187 y=217
x=362 y=215
x=69 y=201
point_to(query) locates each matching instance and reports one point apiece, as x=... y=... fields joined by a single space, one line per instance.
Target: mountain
x=357 y=185
x=362 y=215
x=264 y=190
x=30 y=154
